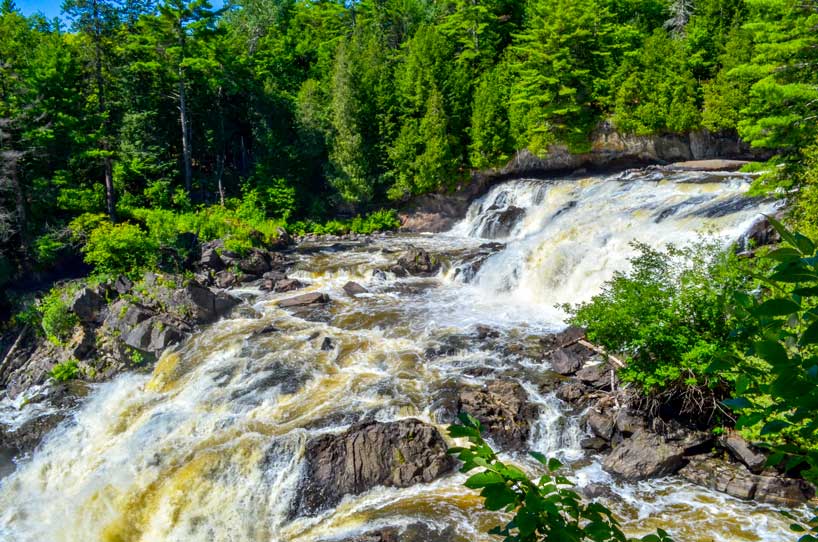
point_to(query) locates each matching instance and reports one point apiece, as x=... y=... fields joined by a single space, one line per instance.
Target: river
x=208 y=446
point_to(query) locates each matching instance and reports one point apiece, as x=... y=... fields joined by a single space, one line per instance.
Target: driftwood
x=13 y=350
x=598 y=349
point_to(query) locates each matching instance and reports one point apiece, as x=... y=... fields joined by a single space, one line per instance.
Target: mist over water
x=208 y=446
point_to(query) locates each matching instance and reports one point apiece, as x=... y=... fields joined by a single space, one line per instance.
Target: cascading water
x=210 y=445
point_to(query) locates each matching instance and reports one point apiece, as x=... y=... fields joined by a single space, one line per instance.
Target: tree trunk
x=185 y=132
x=110 y=196
x=20 y=203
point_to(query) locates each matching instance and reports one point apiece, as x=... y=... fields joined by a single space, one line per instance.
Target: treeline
x=311 y=107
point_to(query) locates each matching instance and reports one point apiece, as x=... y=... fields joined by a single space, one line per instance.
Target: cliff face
x=610 y=150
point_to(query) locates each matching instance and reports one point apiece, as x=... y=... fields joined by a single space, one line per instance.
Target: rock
x=288 y=285
x=194 y=301
x=369 y=454
x=743 y=451
x=88 y=305
x=573 y=393
x=628 y=422
x=313 y=298
x=501 y=222
x=601 y=424
x=597 y=376
x=283 y=238
x=644 y=455
x=566 y=361
x=122 y=285
x=210 y=259
x=83 y=343
x=419 y=262
x=223 y=302
x=30 y=433
x=415 y=532
x=734 y=479
x=255 y=263
x=274 y=276
x=593 y=443
x=485 y=332
x=327 y=344
x=502 y=407
x=124 y=315
x=226 y=279
x=353 y=289
x=595 y=491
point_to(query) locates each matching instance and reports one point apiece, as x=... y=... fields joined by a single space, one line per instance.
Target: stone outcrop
x=369 y=454
x=353 y=289
x=313 y=298
x=503 y=409
x=418 y=262
x=644 y=455
x=734 y=479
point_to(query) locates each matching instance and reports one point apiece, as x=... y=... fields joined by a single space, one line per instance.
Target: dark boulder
x=597 y=376
x=255 y=263
x=369 y=454
x=88 y=305
x=503 y=409
x=644 y=455
x=501 y=222
x=601 y=424
x=288 y=285
x=210 y=259
x=30 y=433
x=735 y=480
x=574 y=393
x=353 y=289
x=743 y=451
x=419 y=262
x=122 y=285
x=567 y=361
x=313 y=298
x=226 y=279
x=593 y=443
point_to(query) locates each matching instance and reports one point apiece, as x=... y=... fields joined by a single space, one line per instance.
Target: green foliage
x=542 y=510
x=670 y=315
x=776 y=389
x=48 y=247
x=120 y=249
x=67 y=370
x=57 y=321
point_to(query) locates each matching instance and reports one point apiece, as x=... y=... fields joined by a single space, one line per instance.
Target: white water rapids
x=208 y=446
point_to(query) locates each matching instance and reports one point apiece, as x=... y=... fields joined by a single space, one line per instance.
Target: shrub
x=57 y=320
x=670 y=316
x=66 y=370
x=542 y=510
x=120 y=249
x=47 y=247
x=82 y=226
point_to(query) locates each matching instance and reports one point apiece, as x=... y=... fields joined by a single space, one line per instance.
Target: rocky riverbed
x=302 y=392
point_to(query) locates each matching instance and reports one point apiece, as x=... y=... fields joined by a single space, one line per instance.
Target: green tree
x=490 y=142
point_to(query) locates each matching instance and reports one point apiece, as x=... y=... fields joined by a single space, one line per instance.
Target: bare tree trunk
x=185 y=132
x=219 y=175
x=110 y=196
x=20 y=204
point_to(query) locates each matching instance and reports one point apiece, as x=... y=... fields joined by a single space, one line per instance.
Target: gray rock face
x=734 y=479
x=88 y=305
x=255 y=263
x=601 y=424
x=503 y=409
x=644 y=455
x=597 y=376
x=567 y=361
x=288 y=285
x=369 y=454
x=353 y=289
x=313 y=298
x=419 y=262
x=211 y=260
x=744 y=452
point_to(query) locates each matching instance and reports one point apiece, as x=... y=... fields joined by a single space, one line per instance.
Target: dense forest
x=307 y=109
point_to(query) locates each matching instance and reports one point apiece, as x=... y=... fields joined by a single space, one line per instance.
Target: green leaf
x=483 y=479
x=777 y=307
x=554 y=464
x=807 y=291
x=805 y=245
x=785 y=254
x=737 y=403
x=785 y=234
x=498 y=496
x=774 y=426
x=771 y=351
x=539 y=457
x=810 y=335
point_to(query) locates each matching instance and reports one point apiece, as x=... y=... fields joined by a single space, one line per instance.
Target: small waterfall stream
x=209 y=446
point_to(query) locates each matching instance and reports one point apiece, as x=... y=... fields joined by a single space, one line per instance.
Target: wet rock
x=29 y=434
x=416 y=532
x=327 y=344
x=503 y=409
x=644 y=455
x=194 y=301
x=288 y=285
x=573 y=393
x=274 y=276
x=369 y=454
x=353 y=289
x=501 y=222
x=255 y=263
x=735 y=480
x=601 y=424
x=744 y=451
x=313 y=298
x=223 y=302
x=485 y=332
x=226 y=279
x=597 y=376
x=596 y=491
x=419 y=262
x=593 y=443
x=566 y=361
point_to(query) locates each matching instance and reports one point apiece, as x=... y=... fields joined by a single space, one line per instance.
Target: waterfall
x=565 y=238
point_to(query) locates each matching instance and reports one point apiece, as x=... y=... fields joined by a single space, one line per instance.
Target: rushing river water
x=208 y=447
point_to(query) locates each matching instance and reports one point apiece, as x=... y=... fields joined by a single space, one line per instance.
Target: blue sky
x=51 y=8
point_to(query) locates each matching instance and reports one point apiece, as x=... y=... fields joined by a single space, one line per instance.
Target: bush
x=57 y=320
x=67 y=370
x=671 y=317
x=47 y=248
x=120 y=249
x=543 y=510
